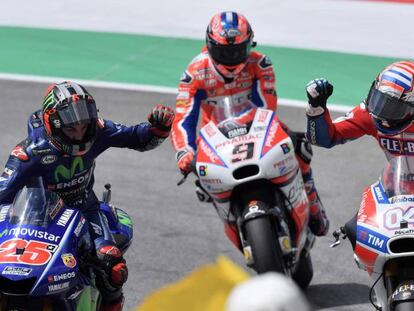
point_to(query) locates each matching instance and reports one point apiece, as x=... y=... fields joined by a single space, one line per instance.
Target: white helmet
x=270 y=291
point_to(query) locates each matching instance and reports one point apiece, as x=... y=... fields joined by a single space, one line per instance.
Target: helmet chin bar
x=229 y=73
x=388 y=129
x=73 y=147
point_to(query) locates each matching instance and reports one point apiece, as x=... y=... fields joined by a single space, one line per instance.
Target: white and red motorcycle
x=247 y=167
x=382 y=235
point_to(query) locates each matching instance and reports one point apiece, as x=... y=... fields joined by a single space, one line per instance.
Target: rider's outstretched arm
x=324 y=132
x=143 y=136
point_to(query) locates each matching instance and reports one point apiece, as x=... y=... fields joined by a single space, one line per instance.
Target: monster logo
x=124 y=218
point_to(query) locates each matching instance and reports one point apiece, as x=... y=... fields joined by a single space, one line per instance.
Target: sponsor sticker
x=8 y=270
x=55 y=210
x=202 y=170
x=3 y=212
x=60 y=277
x=286 y=148
x=405 y=289
x=41 y=151
x=380 y=194
x=64 y=218
x=372 y=239
x=48 y=159
x=237 y=132
x=69 y=260
x=58 y=287
x=7 y=172
x=44 y=235
x=79 y=227
x=183 y=95
x=210 y=130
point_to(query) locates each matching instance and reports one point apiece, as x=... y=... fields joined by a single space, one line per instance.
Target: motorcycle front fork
x=283 y=238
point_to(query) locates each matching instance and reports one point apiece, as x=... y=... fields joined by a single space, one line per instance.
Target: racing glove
x=117 y=269
x=184 y=160
x=161 y=118
x=318 y=91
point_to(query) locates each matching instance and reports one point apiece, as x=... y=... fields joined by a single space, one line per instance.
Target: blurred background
x=130 y=55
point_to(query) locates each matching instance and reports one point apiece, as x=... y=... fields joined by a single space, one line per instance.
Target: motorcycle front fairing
x=385 y=221
x=244 y=143
x=39 y=236
x=120 y=224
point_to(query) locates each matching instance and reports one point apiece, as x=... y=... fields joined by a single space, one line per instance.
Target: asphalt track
x=174 y=233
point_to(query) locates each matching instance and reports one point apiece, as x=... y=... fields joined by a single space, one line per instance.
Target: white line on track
x=144 y=88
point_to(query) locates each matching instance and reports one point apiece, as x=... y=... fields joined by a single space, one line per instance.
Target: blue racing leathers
x=72 y=177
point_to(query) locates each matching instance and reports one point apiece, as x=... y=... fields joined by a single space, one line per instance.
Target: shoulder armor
x=265 y=62
x=20 y=151
x=186 y=77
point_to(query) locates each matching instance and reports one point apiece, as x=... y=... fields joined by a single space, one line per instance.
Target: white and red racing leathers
x=201 y=85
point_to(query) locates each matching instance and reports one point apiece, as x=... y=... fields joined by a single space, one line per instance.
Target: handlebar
x=193 y=169
x=337 y=234
x=183 y=179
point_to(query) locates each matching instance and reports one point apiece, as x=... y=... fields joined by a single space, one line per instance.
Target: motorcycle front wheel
x=266 y=252
x=404 y=306
x=304 y=271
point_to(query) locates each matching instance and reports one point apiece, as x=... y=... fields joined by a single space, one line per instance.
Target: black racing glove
x=318 y=91
x=161 y=119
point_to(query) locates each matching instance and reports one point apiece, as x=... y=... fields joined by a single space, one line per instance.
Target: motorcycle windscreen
x=233 y=114
x=237 y=108
x=398 y=176
x=33 y=205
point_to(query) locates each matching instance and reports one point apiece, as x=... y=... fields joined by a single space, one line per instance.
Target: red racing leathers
x=324 y=132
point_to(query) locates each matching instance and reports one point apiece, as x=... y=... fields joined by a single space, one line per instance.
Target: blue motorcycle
x=46 y=255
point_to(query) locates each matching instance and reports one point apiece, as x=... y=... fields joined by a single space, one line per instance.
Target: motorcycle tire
x=404 y=306
x=304 y=271
x=266 y=252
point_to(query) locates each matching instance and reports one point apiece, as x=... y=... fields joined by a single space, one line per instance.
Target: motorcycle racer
x=387 y=114
x=228 y=66
x=65 y=137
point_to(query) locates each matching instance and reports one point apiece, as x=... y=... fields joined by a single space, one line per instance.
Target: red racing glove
x=184 y=160
x=161 y=118
x=118 y=272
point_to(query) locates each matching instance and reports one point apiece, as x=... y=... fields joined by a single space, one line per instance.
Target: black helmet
x=68 y=104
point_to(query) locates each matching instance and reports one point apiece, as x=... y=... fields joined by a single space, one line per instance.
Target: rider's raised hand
x=161 y=118
x=318 y=91
x=184 y=160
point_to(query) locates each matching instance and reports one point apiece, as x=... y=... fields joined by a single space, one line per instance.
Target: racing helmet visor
x=388 y=108
x=229 y=55
x=78 y=112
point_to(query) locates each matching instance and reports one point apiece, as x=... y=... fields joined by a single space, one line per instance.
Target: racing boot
x=112 y=306
x=318 y=221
